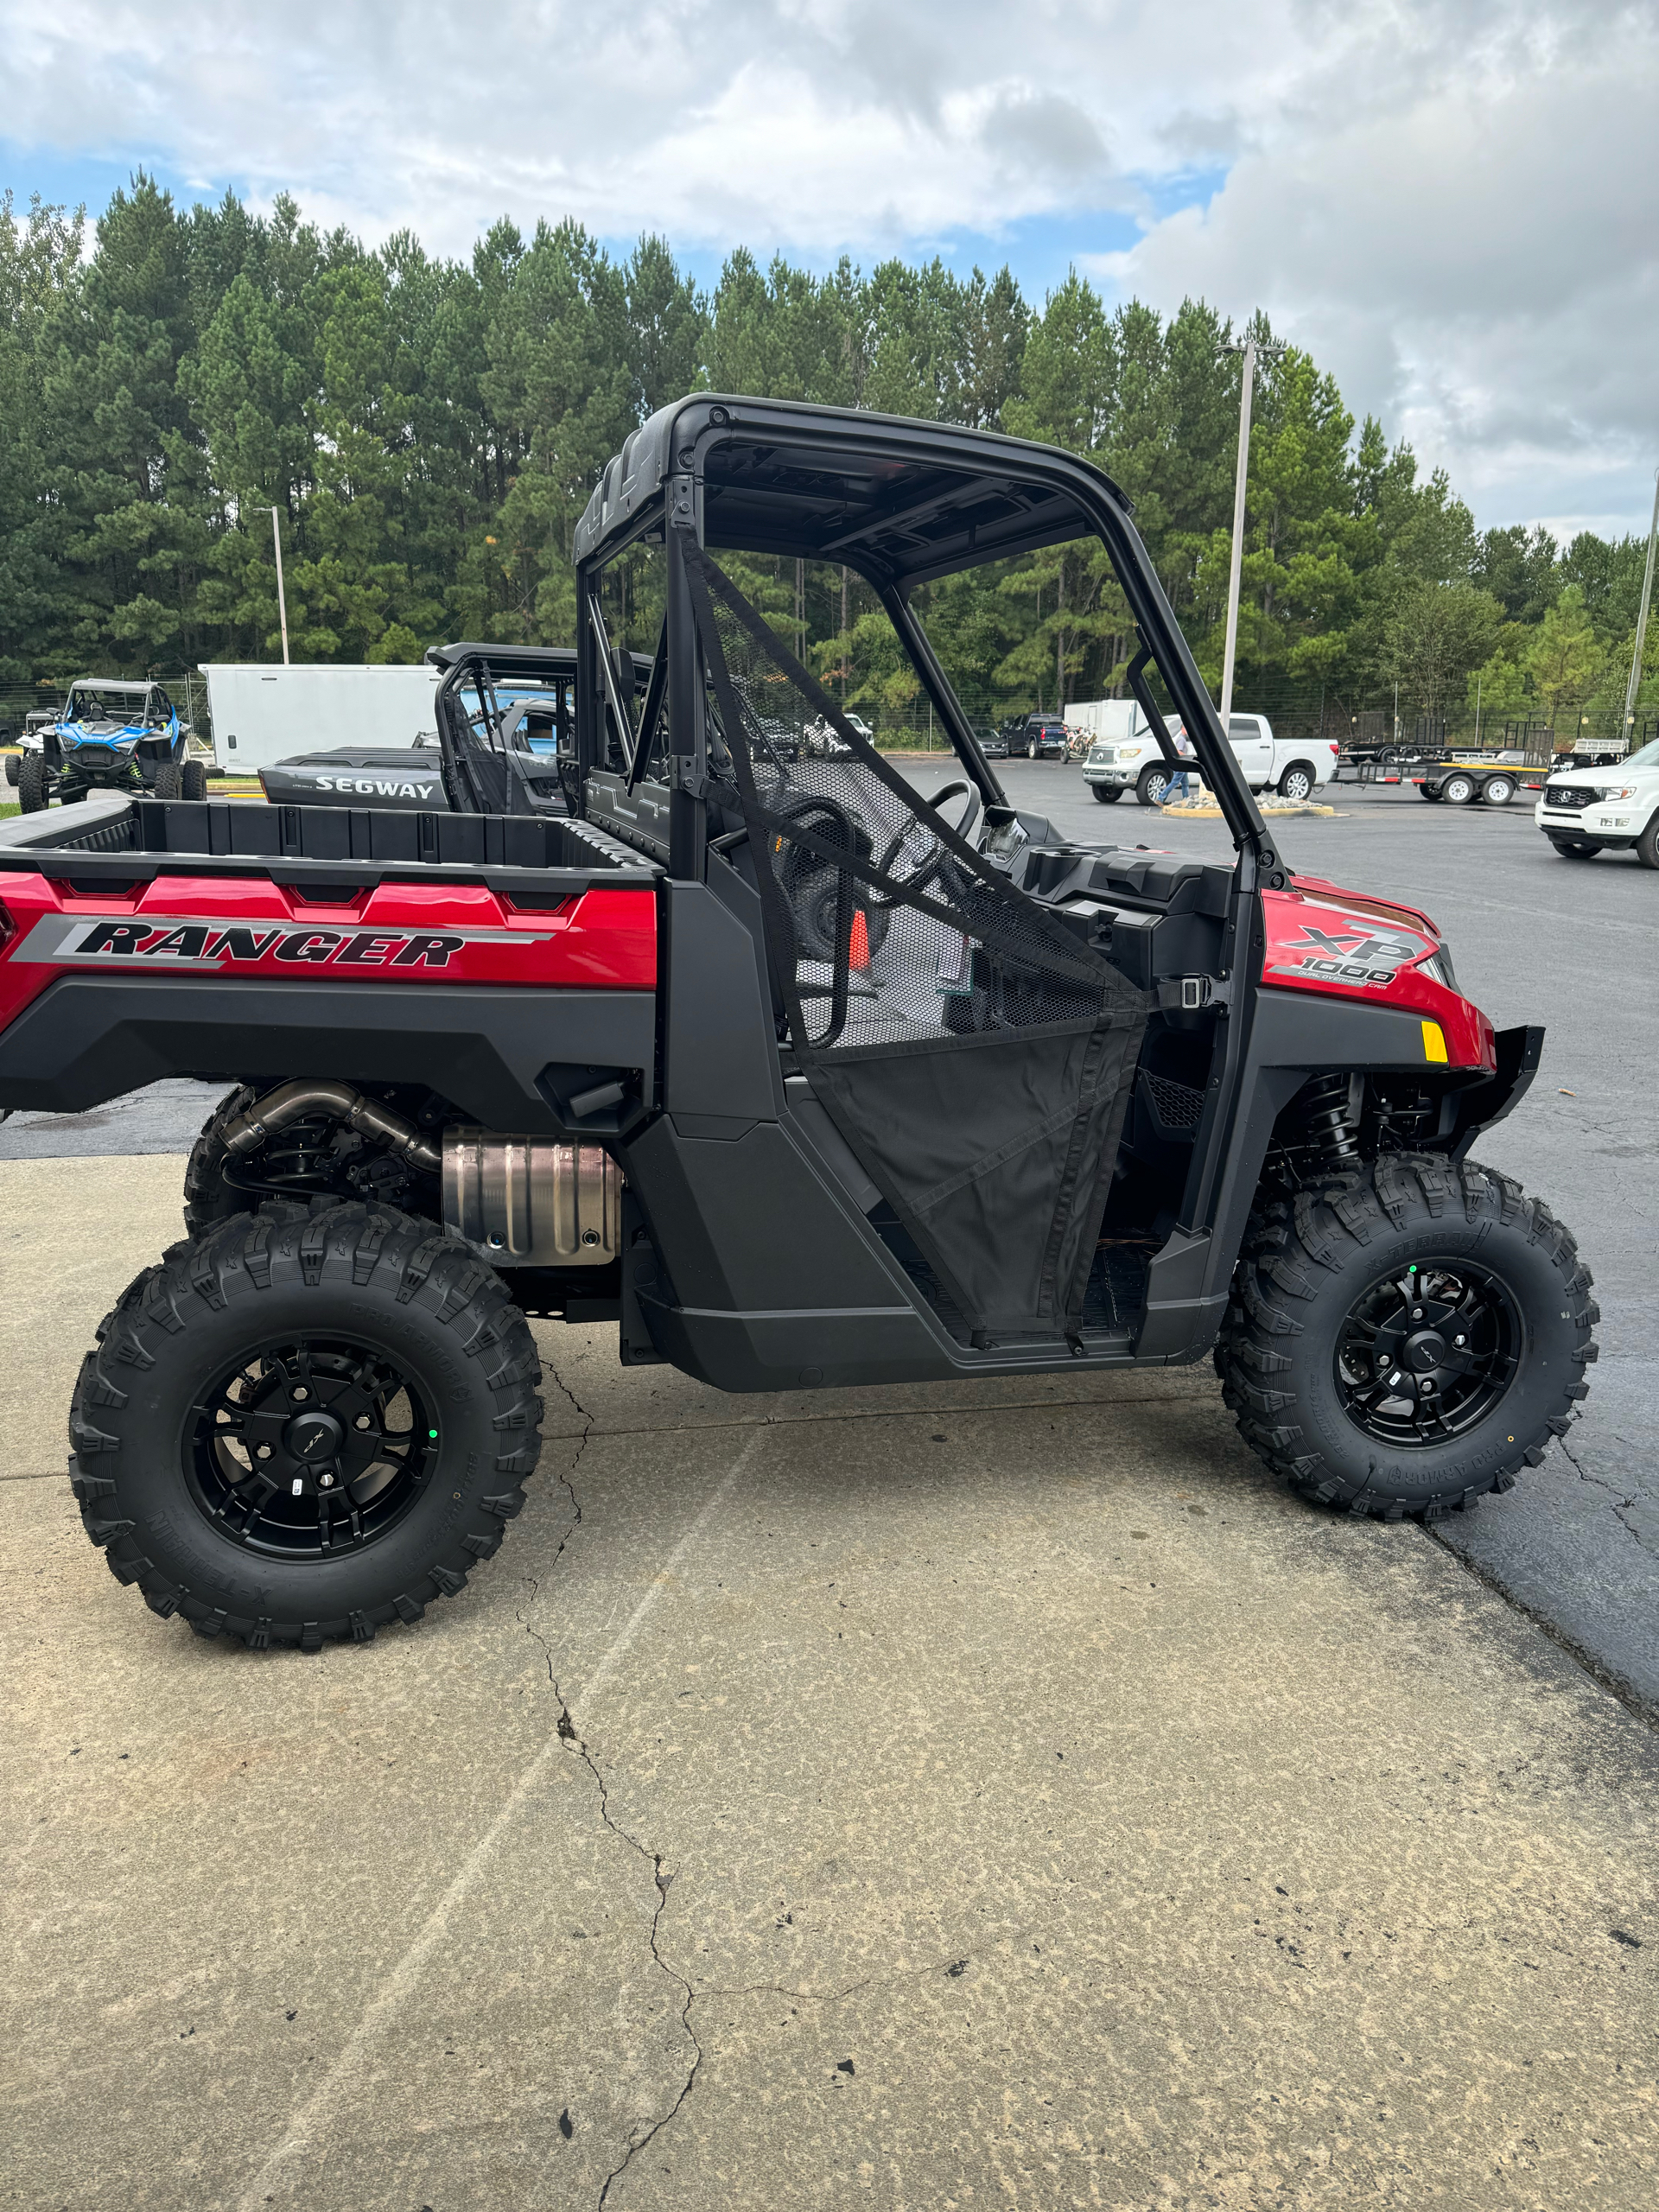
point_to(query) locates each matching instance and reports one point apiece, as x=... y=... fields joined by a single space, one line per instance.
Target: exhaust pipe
x=521 y=1201
x=292 y=1101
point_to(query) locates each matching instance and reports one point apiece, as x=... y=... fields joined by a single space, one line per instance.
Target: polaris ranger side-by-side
x=794 y=1077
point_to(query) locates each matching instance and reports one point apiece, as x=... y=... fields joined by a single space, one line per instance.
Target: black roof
x=140 y=690
x=521 y=663
x=899 y=500
x=510 y=664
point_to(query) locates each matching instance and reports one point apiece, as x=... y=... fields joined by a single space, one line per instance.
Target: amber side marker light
x=1434 y=1042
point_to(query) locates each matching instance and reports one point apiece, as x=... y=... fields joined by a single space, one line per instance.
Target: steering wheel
x=924 y=875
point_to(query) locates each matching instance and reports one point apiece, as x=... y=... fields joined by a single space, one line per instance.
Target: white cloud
x=1451 y=203
x=1470 y=247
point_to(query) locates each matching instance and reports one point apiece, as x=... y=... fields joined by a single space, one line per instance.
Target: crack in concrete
x=569 y=1736
x=1615 y=1490
x=572 y=1741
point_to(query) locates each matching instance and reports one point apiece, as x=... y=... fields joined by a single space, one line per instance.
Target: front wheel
x=1153 y=784
x=1406 y=1338
x=1458 y=790
x=166 y=785
x=1497 y=791
x=1296 y=783
x=305 y=1424
x=1576 y=849
x=33 y=789
x=1031 y=750
x=1106 y=794
x=1647 y=845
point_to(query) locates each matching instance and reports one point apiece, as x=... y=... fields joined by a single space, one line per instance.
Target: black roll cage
x=899 y=502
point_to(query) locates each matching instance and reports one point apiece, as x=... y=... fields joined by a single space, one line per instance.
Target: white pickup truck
x=1584 y=811
x=1130 y=759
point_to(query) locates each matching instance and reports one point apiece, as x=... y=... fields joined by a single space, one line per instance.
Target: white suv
x=1584 y=811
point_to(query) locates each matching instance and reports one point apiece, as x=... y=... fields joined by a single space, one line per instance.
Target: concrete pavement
x=916 y=1799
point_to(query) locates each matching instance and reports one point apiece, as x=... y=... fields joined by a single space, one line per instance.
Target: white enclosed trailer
x=263 y=714
x=1102 y=720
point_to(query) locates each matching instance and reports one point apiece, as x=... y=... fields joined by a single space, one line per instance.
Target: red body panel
x=1346 y=945
x=397 y=932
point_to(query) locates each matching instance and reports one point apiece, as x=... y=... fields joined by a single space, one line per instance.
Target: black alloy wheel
x=310 y=1446
x=1424 y=1356
x=1407 y=1337
x=305 y=1424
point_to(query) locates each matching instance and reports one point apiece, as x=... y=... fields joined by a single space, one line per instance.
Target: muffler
x=529 y=1201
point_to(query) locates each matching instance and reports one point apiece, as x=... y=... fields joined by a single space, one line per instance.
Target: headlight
x=1131 y=752
x=1624 y=790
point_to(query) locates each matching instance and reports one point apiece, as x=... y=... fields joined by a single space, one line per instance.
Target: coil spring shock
x=1326 y=1126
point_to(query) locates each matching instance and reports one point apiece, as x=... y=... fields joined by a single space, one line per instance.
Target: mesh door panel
x=973 y=1051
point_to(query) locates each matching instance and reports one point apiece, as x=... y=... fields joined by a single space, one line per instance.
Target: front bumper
x=1095 y=773
x=1603 y=825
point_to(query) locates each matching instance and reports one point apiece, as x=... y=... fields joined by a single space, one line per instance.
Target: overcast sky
x=1455 y=206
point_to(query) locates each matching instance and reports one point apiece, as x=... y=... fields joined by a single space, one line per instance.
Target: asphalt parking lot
x=934 y=1797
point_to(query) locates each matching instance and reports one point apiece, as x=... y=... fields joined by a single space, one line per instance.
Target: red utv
x=795 y=1077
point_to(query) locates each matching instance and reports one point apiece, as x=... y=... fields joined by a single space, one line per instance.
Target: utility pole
x=1635 y=683
x=282 y=598
x=1251 y=351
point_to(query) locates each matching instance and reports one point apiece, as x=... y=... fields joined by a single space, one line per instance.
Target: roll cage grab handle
x=678 y=511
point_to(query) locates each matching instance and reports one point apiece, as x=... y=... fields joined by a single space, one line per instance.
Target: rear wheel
x=1297 y=783
x=1152 y=786
x=33 y=790
x=1031 y=749
x=1497 y=791
x=1406 y=1338
x=1425 y=791
x=193 y=780
x=304 y=1425
x=1108 y=794
x=1576 y=849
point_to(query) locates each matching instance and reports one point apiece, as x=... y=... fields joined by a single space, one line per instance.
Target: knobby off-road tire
x=166 y=785
x=185 y=1417
x=193 y=780
x=33 y=790
x=1310 y=1262
x=208 y=1196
